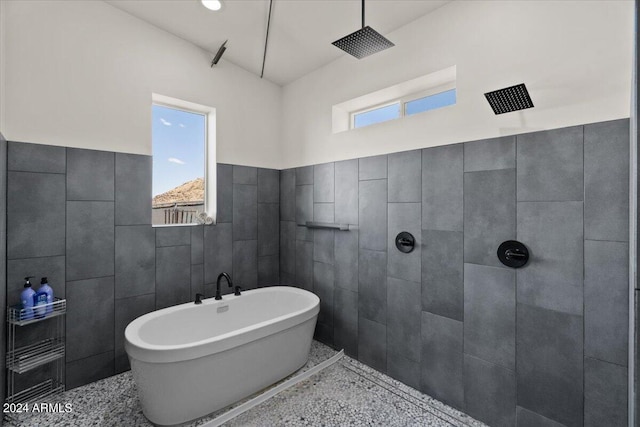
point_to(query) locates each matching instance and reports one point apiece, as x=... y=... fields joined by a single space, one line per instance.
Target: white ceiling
x=300 y=35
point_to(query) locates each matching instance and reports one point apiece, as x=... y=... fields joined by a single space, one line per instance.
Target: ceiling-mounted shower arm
x=362 y=13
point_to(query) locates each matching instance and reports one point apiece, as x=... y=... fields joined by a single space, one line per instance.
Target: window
x=401 y=107
x=183 y=163
x=431 y=102
x=376 y=115
x=425 y=93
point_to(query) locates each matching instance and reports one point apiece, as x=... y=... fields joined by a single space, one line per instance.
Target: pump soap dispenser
x=26 y=297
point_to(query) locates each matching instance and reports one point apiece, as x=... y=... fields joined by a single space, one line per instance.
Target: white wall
x=81 y=74
x=575 y=58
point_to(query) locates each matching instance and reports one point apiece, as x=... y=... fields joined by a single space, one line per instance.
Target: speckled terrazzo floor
x=346 y=393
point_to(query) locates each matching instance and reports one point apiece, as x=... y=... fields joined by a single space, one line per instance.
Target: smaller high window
x=376 y=115
x=402 y=107
x=426 y=103
x=425 y=93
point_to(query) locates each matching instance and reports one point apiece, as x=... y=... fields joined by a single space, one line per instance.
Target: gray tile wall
x=504 y=345
x=3 y=260
x=83 y=219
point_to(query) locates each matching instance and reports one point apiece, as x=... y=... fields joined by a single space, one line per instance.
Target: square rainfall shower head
x=509 y=99
x=364 y=42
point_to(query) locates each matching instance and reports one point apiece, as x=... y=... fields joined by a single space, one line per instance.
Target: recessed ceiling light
x=212 y=4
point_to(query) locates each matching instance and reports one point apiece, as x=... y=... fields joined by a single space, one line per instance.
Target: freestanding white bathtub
x=190 y=360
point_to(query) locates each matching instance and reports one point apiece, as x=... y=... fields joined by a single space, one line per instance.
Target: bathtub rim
x=138 y=349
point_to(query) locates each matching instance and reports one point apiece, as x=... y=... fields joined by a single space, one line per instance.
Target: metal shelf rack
x=49 y=351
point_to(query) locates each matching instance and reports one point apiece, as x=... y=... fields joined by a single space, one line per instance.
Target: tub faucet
x=199 y=299
x=220 y=277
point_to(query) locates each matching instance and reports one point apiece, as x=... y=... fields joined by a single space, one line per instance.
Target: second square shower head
x=364 y=42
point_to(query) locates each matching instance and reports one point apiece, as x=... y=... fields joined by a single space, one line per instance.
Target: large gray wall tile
x=526 y=418
x=490 y=154
x=89 y=370
x=552 y=232
x=605 y=394
x=217 y=251
x=304 y=265
x=245 y=212
x=35 y=158
x=345 y=321
x=441 y=359
x=489 y=392
x=268 y=270
x=550 y=165
x=304 y=233
x=442 y=273
x=372 y=167
x=324 y=334
x=442 y=187
x=173 y=236
x=245 y=175
x=90 y=240
x=304 y=175
x=346 y=259
x=346 y=197
x=197 y=244
x=405 y=176
x=304 y=203
x=51 y=267
x=133 y=189
x=373 y=214
x=404 y=370
x=323 y=183
x=268 y=229
x=323 y=287
x=549 y=359
x=288 y=195
x=372 y=289
x=404 y=217
x=324 y=212
x=197 y=281
x=606 y=301
x=90 y=175
x=173 y=276
x=489 y=214
x=288 y=247
x=372 y=337
x=403 y=318
x=35 y=215
x=135 y=260
x=90 y=326
x=323 y=246
x=606 y=181
x=245 y=263
x=224 y=193
x=268 y=186
x=127 y=310
x=490 y=314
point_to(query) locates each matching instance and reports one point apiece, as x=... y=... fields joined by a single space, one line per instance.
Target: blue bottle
x=44 y=287
x=39 y=304
x=26 y=297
